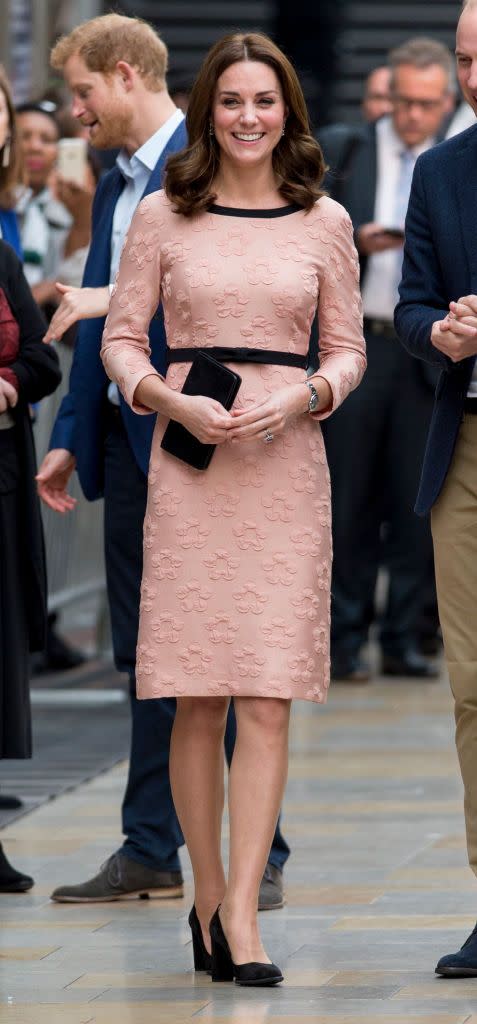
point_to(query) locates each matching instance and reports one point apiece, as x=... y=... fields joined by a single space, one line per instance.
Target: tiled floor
x=378 y=888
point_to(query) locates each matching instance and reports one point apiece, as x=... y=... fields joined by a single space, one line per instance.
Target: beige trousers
x=454 y=530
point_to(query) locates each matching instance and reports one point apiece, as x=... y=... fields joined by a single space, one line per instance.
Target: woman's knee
x=269 y=714
x=204 y=712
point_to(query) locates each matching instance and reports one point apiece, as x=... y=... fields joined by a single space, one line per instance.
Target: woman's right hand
x=205 y=418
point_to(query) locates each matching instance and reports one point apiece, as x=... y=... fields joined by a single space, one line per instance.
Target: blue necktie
x=406 y=170
x=407 y=162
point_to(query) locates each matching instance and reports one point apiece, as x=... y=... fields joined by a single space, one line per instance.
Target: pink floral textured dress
x=237 y=559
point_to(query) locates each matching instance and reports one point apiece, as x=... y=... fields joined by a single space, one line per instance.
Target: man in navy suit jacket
x=440 y=267
x=96 y=432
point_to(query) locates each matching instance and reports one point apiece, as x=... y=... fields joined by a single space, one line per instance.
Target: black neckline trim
x=233 y=211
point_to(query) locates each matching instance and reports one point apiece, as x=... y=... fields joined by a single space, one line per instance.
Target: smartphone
x=72 y=160
x=394 y=232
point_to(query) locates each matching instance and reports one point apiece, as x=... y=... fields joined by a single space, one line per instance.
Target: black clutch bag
x=212 y=379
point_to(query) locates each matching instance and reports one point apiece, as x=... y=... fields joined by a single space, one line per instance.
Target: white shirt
x=44 y=228
x=136 y=171
x=463 y=118
x=379 y=289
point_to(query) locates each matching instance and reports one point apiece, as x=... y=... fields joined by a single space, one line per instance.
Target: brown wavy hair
x=9 y=175
x=298 y=161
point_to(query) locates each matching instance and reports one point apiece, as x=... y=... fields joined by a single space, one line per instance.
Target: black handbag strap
x=238 y=355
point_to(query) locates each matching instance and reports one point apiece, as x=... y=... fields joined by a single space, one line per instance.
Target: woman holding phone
x=243 y=248
x=54 y=213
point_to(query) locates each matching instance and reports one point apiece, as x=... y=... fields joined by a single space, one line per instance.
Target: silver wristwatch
x=314 y=397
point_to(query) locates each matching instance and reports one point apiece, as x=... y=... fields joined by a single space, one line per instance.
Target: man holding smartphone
x=374 y=480
x=115 y=67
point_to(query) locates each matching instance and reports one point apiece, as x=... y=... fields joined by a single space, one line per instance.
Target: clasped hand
x=207 y=419
x=456 y=335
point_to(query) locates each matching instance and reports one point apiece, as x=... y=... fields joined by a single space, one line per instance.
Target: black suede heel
x=202 y=959
x=224 y=969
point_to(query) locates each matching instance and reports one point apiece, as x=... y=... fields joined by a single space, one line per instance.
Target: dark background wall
x=334 y=43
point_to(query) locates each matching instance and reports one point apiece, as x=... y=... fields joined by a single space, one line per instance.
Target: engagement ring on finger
x=268 y=437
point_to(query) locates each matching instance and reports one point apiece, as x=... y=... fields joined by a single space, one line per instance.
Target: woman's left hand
x=270 y=416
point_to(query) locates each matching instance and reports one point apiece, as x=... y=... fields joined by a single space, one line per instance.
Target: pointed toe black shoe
x=224 y=969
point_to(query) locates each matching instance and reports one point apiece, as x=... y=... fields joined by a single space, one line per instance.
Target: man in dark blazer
x=95 y=432
x=440 y=267
x=374 y=478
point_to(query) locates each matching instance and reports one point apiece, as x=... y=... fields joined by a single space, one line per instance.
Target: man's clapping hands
x=456 y=335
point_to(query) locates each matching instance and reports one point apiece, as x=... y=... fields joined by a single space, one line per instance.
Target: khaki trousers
x=454 y=530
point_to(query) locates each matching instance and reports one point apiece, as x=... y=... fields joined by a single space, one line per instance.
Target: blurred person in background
x=343 y=140
x=54 y=214
x=78 y=200
x=375 y=480
x=377 y=95
x=9 y=177
x=28 y=372
x=115 y=67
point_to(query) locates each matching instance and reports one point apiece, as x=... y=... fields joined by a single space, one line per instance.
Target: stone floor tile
x=377 y=889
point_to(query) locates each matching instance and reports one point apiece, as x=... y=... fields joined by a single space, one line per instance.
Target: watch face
x=313 y=403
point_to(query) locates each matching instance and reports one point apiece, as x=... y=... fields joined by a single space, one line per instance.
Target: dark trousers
x=375 y=446
x=149 y=820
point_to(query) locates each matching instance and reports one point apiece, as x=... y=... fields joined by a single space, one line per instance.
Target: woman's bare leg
x=197 y=781
x=257 y=781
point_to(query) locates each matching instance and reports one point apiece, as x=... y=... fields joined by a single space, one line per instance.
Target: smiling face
x=100 y=103
x=248 y=114
x=38 y=139
x=466 y=54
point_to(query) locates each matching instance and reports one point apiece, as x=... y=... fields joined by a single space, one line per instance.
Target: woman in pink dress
x=242 y=248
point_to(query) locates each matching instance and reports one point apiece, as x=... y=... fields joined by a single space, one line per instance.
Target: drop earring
x=6 y=152
x=283 y=129
x=211 y=129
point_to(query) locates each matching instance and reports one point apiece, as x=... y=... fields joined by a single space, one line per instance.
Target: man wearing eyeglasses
x=375 y=479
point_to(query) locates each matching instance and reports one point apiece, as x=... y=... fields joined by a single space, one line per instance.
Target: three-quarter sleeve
x=341 y=342
x=135 y=297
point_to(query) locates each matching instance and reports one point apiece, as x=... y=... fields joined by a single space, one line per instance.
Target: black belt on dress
x=383 y=328
x=238 y=355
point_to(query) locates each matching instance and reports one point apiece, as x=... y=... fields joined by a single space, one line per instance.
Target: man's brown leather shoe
x=121 y=878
